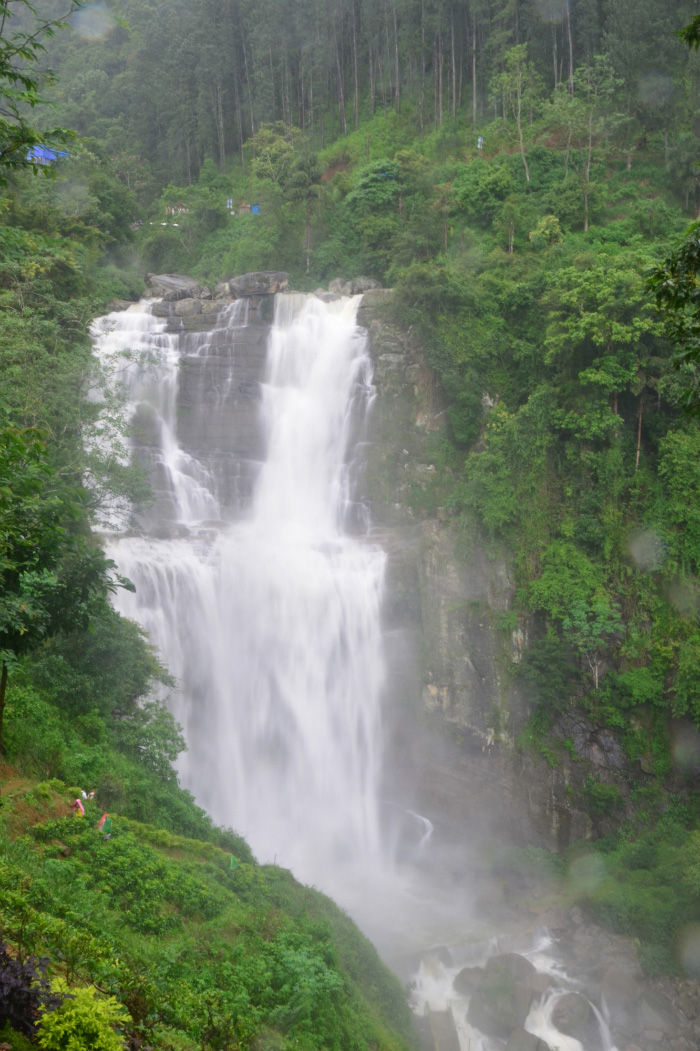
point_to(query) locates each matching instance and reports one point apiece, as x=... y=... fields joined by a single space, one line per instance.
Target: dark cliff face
x=456 y=709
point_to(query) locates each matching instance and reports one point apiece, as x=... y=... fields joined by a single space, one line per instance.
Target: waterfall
x=266 y=609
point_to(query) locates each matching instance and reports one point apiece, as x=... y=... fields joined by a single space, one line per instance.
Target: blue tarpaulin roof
x=44 y=155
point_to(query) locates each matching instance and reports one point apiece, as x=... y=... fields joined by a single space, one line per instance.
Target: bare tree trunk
x=388 y=52
x=554 y=55
x=307 y=236
x=372 y=83
x=189 y=159
x=341 y=89
x=381 y=81
x=239 y=117
x=440 y=75
x=219 y=118
x=640 y=413
x=571 y=50
x=397 y=88
x=354 y=62
x=454 y=66
x=3 y=689
x=518 y=120
x=250 y=94
x=272 y=87
x=435 y=82
x=474 y=74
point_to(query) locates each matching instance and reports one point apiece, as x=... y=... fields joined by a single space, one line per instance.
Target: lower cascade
x=260 y=582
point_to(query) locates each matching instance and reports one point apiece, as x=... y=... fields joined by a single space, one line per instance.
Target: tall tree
x=22 y=36
x=51 y=577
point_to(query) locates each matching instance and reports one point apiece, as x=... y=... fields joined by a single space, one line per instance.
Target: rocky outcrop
x=358 y=285
x=450 y=629
x=164 y=284
x=264 y=283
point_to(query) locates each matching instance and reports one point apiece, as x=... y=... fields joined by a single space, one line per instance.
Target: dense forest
x=522 y=173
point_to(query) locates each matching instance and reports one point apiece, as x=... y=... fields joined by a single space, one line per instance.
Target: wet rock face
x=444 y=610
x=222 y=346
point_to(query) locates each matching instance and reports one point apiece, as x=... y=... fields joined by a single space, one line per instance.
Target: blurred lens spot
x=551 y=11
x=655 y=89
x=684 y=597
x=689 y=948
x=586 y=873
x=685 y=747
x=93 y=22
x=647 y=549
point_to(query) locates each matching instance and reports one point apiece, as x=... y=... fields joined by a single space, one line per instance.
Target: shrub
x=82 y=1022
x=24 y=991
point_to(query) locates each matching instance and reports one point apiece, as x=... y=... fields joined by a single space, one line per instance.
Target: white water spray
x=272 y=624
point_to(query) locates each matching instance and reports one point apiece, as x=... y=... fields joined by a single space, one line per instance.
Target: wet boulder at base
x=502 y=1000
x=521 y=1040
x=572 y=1016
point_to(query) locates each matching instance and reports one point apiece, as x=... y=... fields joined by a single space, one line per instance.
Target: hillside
x=203 y=947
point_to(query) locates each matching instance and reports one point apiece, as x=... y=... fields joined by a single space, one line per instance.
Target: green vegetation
x=518 y=172
x=161 y=937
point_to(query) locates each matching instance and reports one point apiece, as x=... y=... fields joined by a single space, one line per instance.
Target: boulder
x=187 y=307
x=221 y=290
x=518 y=967
x=118 y=304
x=193 y=292
x=498 y=1008
x=163 y=284
x=502 y=1000
x=327 y=297
x=340 y=286
x=364 y=284
x=520 y=1040
x=264 y=283
x=571 y=1015
x=468 y=980
x=539 y=982
x=620 y=988
x=655 y=1012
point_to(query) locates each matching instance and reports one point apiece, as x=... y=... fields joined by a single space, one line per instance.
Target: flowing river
x=260 y=582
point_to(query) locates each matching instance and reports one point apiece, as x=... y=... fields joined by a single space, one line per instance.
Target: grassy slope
x=202 y=955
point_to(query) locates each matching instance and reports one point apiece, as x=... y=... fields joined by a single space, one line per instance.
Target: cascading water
x=271 y=623
x=258 y=580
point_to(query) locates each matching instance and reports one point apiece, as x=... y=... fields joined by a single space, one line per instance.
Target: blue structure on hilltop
x=44 y=155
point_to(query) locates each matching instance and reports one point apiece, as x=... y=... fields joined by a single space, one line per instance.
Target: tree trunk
x=454 y=67
x=440 y=80
x=571 y=51
x=640 y=414
x=474 y=74
x=341 y=88
x=307 y=236
x=250 y=94
x=397 y=94
x=519 y=122
x=354 y=62
x=3 y=688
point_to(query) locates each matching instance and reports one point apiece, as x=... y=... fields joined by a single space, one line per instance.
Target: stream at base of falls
x=260 y=581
